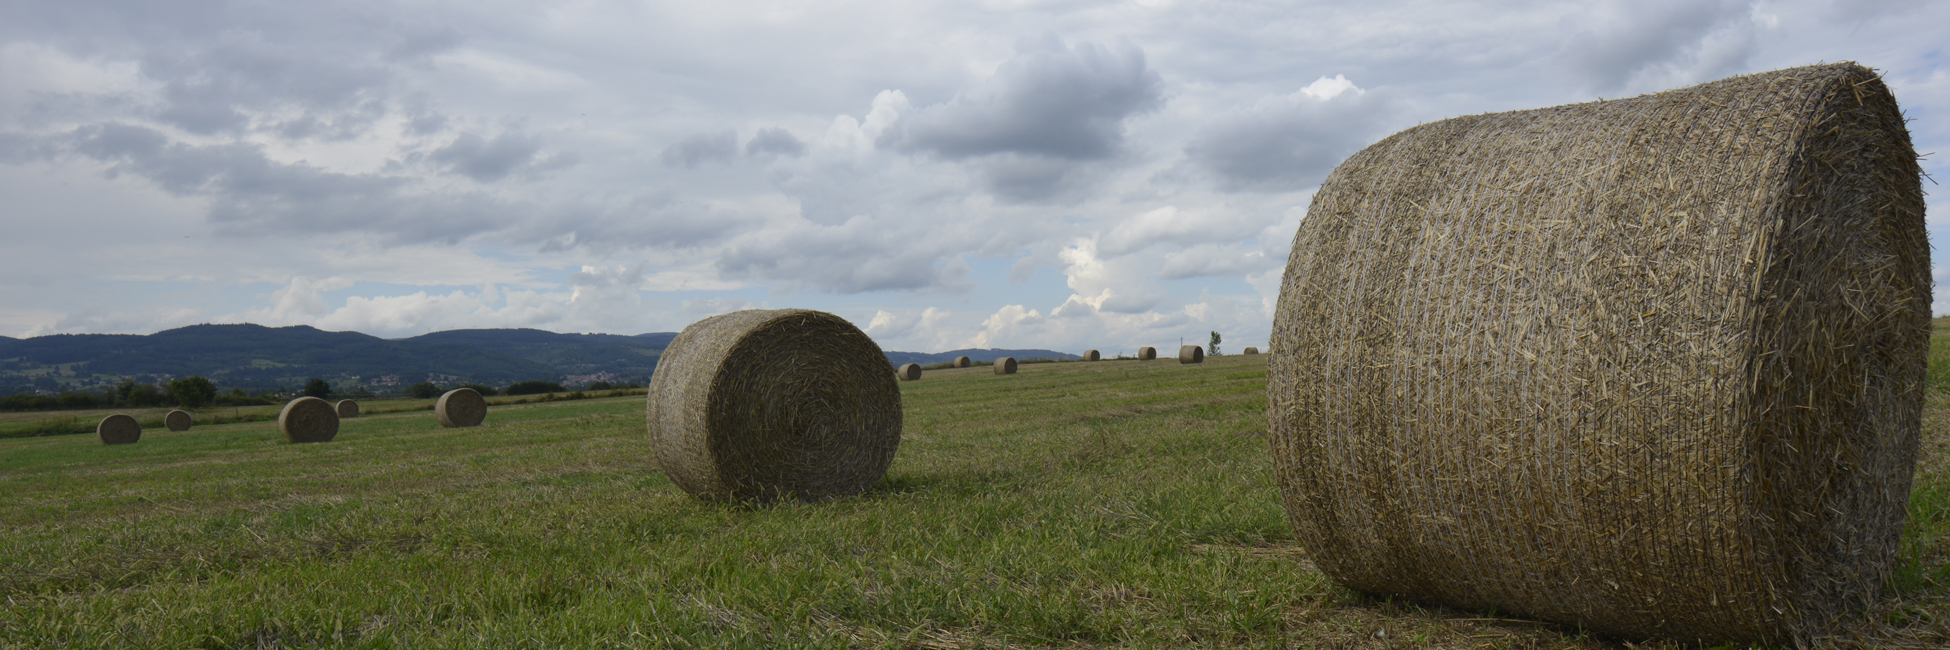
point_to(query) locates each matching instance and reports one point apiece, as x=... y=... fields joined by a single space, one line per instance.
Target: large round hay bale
x=910 y=372
x=1652 y=366
x=1147 y=353
x=347 y=409
x=118 y=429
x=178 y=420
x=460 y=407
x=1250 y=350
x=1091 y=355
x=1005 y=366
x=308 y=419
x=762 y=404
x=963 y=362
x=1191 y=354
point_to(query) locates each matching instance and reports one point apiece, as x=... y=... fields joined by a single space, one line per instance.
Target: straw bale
x=1005 y=366
x=308 y=419
x=1091 y=355
x=963 y=362
x=1653 y=366
x=118 y=429
x=178 y=420
x=910 y=372
x=1147 y=353
x=460 y=407
x=1251 y=350
x=347 y=409
x=764 y=404
x=1191 y=354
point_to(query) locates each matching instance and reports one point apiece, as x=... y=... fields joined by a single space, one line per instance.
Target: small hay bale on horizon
x=1147 y=353
x=308 y=419
x=1651 y=366
x=1091 y=355
x=963 y=362
x=909 y=372
x=767 y=404
x=460 y=407
x=1250 y=350
x=347 y=409
x=178 y=420
x=118 y=429
x=1005 y=366
x=1191 y=354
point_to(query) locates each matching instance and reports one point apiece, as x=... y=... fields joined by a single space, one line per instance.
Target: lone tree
x=318 y=388
x=1212 y=349
x=193 y=391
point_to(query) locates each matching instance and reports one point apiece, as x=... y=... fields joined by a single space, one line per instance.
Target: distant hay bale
x=763 y=404
x=118 y=429
x=178 y=420
x=308 y=419
x=1005 y=366
x=1191 y=354
x=910 y=372
x=1251 y=350
x=1652 y=366
x=1147 y=353
x=460 y=407
x=963 y=362
x=1091 y=355
x=347 y=409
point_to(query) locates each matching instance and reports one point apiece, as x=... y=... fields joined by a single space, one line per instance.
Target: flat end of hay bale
x=765 y=404
x=1147 y=353
x=1250 y=350
x=178 y=420
x=347 y=409
x=308 y=419
x=963 y=362
x=1091 y=355
x=118 y=429
x=1005 y=366
x=460 y=407
x=1191 y=354
x=909 y=372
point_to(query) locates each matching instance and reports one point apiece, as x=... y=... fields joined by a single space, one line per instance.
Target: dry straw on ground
x=963 y=362
x=308 y=419
x=910 y=372
x=1251 y=350
x=1653 y=366
x=1005 y=366
x=118 y=429
x=178 y=420
x=762 y=404
x=1191 y=354
x=347 y=409
x=460 y=407
x=1147 y=353
x=1091 y=355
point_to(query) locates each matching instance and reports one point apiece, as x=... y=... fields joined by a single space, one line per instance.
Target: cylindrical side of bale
x=762 y=404
x=1251 y=350
x=460 y=407
x=1652 y=366
x=308 y=419
x=178 y=420
x=118 y=429
x=347 y=408
x=1147 y=353
x=1191 y=354
x=1091 y=355
x=1005 y=366
x=910 y=372
x=963 y=362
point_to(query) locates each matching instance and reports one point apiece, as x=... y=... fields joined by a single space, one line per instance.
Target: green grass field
x=1113 y=504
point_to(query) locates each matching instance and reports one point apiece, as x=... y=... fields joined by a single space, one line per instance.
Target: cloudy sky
x=1068 y=174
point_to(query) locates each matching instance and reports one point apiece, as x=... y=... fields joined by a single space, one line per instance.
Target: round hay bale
x=308 y=419
x=963 y=362
x=118 y=429
x=1191 y=354
x=1091 y=355
x=460 y=407
x=1005 y=366
x=178 y=420
x=1251 y=350
x=910 y=372
x=763 y=404
x=1652 y=366
x=1147 y=353
x=347 y=409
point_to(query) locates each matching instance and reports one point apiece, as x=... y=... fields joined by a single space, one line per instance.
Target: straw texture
x=1147 y=353
x=118 y=429
x=1091 y=355
x=1653 y=365
x=308 y=419
x=460 y=407
x=910 y=372
x=1191 y=354
x=764 y=404
x=1251 y=350
x=347 y=409
x=178 y=420
x=1005 y=366
x=963 y=362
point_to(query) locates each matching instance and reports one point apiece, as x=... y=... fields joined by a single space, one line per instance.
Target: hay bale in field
x=1251 y=350
x=347 y=409
x=1652 y=365
x=1147 y=353
x=460 y=407
x=308 y=419
x=963 y=362
x=1005 y=366
x=118 y=429
x=762 y=404
x=178 y=420
x=910 y=372
x=1091 y=355
x=1191 y=354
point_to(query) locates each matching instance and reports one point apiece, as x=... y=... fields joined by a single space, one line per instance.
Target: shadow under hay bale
x=1653 y=366
x=460 y=407
x=1091 y=355
x=308 y=419
x=763 y=404
x=1147 y=353
x=1191 y=354
x=1005 y=366
x=118 y=429
x=909 y=372
x=1250 y=350
x=963 y=362
x=347 y=409
x=178 y=420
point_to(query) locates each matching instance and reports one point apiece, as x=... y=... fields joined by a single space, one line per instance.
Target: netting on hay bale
x=1653 y=366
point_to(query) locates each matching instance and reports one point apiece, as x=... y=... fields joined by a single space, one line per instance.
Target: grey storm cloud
x=487 y=160
x=1289 y=143
x=1050 y=100
x=776 y=141
x=702 y=148
x=1631 y=38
